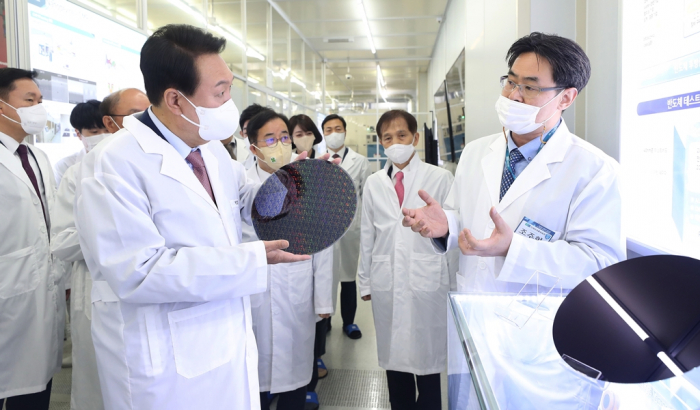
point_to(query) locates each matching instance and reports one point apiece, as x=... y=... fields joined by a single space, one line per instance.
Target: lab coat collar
x=8 y=160
x=536 y=172
x=173 y=165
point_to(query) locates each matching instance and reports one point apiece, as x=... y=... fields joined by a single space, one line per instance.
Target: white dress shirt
x=12 y=145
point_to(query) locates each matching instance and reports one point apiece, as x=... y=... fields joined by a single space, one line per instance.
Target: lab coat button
x=482 y=265
x=491 y=225
x=36 y=201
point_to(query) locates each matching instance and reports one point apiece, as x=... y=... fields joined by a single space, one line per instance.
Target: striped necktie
x=508 y=176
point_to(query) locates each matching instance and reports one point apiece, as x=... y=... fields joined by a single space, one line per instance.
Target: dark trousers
x=348 y=302
x=402 y=391
x=289 y=400
x=33 y=401
x=319 y=350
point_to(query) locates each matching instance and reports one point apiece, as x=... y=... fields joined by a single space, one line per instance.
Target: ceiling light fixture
x=366 y=22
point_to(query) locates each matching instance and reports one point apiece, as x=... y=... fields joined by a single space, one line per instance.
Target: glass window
x=162 y=12
x=280 y=68
x=256 y=28
x=238 y=90
x=256 y=97
x=227 y=15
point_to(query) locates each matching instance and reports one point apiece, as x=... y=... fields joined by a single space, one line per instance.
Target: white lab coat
x=63 y=164
x=171 y=320
x=65 y=245
x=284 y=316
x=407 y=280
x=32 y=292
x=570 y=187
x=346 y=252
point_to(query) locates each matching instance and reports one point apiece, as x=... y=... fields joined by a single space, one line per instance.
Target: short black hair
x=571 y=67
x=8 y=76
x=260 y=120
x=86 y=115
x=168 y=59
x=306 y=124
x=334 y=117
x=250 y=112
x=392 y=115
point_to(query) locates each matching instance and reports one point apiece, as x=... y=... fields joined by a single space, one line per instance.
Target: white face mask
x=276 y=157
x=32 y=119
x=335 y=140
x=304 y=143
x=519 y=117
x=400 y=153
x=215 y=123
x=91 y=142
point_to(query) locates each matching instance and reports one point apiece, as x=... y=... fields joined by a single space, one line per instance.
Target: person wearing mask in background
x=159 y=213
x=284 y=316
x=305 y=134
x=240 y=149
x=88 y=131
x=65 y=245
x=347 y=250
x=406 y=281
x=120 y=104
x=32 y=293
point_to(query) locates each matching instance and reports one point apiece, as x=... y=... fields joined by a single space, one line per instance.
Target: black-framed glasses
x=272 y=141
x=527 y=91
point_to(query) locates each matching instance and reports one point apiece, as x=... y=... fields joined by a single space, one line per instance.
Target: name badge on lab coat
x=531 y=229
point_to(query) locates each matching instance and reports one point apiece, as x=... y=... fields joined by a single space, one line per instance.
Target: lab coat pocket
x=381 y=275
x=426 y=272
x=19 y=273
x=203 y=337
x=300 y=279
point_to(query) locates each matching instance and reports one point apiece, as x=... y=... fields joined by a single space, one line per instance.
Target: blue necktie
x=508 y=176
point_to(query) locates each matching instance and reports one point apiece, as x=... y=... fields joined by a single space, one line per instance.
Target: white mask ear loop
x=15 y=121
x=195 y=108
x=115 y=123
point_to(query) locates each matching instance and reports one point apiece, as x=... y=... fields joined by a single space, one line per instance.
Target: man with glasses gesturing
x=532 y=197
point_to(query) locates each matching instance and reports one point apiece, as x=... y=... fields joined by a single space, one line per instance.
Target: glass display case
x=495 y=363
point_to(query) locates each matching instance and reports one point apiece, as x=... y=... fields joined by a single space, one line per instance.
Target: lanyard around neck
x=543 y=141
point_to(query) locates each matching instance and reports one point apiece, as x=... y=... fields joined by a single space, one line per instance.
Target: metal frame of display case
x=482 y=388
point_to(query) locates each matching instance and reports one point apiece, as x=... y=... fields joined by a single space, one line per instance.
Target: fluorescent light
x=369 y=32
x=382 y=82
x=297 y=81
x=617 y=308
x=189 y=10
x=251 y=52
x=253 y=80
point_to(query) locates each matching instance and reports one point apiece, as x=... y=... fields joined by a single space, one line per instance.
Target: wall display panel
x=660 y=124
x=78 y=55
